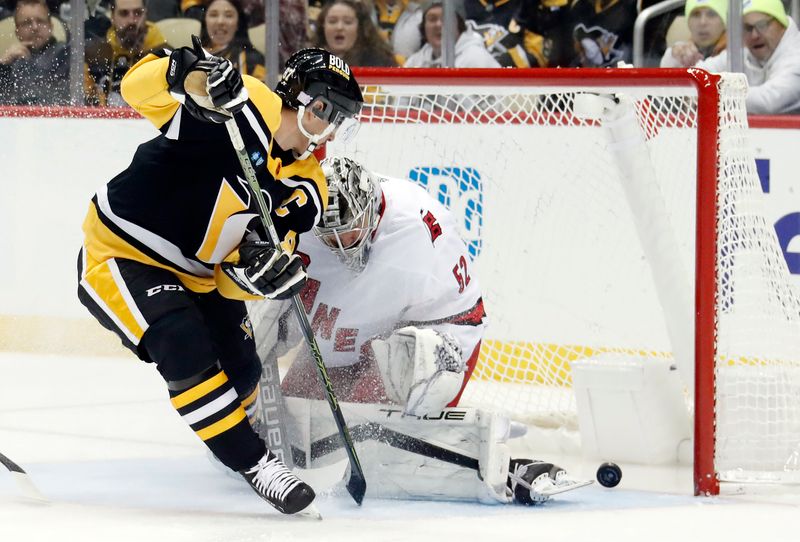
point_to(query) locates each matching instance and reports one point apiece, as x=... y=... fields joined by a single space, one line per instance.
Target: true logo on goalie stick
x=449 y=414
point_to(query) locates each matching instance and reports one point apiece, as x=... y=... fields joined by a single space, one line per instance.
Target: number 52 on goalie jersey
x=418 y=273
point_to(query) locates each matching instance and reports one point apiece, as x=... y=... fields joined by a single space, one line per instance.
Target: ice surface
x=99 y=438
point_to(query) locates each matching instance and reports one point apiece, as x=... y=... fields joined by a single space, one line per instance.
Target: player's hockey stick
x=23 y=480
x=357 y=484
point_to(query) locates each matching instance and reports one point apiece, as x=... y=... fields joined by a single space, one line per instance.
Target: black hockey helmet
x=315 y=73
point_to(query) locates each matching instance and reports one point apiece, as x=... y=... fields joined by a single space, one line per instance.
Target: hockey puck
x=609 y=474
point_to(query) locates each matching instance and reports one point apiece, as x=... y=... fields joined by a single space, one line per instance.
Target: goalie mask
x=347 y=225
x=321 y=82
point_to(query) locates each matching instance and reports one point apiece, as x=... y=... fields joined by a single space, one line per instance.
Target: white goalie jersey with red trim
x=419 y=273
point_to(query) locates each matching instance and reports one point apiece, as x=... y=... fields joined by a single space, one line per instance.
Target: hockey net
x=575 y=261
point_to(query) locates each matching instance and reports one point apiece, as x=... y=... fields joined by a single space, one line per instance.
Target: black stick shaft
x=357 y=484
x=10 y=465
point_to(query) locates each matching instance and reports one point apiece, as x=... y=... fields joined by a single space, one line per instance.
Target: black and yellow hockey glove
x=264 y=271
x=213 y=97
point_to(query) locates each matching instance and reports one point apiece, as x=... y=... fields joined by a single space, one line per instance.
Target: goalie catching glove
x=421 y=368
x=264 y=271
x=208 y=86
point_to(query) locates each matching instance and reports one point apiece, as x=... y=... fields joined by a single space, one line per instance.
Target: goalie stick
x=357 y=484
x=23 y=480
x=435 y=450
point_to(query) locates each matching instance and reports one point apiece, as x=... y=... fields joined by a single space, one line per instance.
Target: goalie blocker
x=454 y=454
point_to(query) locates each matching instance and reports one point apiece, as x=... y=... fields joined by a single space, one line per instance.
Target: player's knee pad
x=179 y=344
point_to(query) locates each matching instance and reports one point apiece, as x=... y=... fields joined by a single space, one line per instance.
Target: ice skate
x=533 y=482
x=277 y=485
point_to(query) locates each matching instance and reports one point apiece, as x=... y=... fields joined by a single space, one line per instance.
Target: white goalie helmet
x=347 y=225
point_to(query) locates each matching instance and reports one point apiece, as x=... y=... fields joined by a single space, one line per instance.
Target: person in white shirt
x=470 y=51
x=706 y=20
x=771 y=58
x=398 y=21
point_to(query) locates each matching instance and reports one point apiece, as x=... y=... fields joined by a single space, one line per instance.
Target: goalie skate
x=534 y=482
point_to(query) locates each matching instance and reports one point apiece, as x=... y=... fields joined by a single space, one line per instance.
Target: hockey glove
x=208 y=86
x=421 y=368
x=225 y=87
x=264 y=271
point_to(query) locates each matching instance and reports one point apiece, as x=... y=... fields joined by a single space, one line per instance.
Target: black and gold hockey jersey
x=602 y=32
x=183 y=203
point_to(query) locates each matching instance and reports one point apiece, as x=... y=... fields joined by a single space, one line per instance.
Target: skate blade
x=28 y=489
x=564 y=487
x=309 y=512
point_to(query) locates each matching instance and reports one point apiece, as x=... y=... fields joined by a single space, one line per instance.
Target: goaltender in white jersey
x=398 y=316
x=392 y=275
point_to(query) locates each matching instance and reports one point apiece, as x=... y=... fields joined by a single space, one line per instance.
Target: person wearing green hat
x=707 y=21
x=771 y=58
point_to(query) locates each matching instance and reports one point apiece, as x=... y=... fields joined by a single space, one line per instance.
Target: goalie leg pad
x=455 y=454
x=421 y=368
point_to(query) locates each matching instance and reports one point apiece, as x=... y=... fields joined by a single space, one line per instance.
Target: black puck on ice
x=609 y=474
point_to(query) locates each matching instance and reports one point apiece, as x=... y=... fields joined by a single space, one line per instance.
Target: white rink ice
x=99 y=438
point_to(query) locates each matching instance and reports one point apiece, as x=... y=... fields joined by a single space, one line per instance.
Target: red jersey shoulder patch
x=432 y=224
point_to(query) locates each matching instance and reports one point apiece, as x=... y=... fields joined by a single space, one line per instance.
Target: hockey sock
x=210 y=405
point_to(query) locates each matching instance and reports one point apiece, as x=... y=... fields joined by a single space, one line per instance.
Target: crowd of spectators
x=34 y=62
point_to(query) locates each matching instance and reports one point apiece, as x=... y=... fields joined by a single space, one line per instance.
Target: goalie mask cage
x=596 y=227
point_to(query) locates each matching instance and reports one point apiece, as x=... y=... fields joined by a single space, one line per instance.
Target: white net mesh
x=585 y=244
x=758 y=342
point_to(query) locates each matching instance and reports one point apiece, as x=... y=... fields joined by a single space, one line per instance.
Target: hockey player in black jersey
x=173 y=245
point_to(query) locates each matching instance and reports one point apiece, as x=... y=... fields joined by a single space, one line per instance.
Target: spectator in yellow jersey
x=706 y=20
x=129 y=39
x=398 y=22
x=223 y=32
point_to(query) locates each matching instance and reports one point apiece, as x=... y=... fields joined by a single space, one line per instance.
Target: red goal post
x=514 y=138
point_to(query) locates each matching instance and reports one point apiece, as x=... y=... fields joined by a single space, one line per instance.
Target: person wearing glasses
x=771 y=58
x=34 y=70
x=130 y=37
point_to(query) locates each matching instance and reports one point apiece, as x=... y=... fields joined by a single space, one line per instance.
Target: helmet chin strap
x=313 y=140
